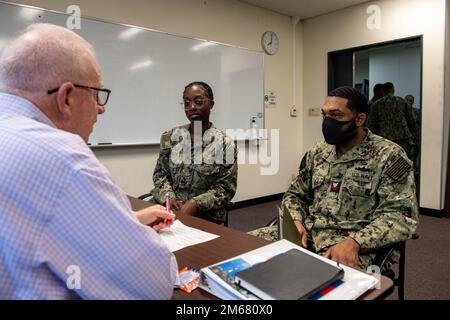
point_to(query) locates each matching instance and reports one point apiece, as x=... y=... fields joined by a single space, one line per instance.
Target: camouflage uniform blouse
x=212 y=185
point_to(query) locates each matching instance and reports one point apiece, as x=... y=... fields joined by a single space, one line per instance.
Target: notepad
x=292 y=275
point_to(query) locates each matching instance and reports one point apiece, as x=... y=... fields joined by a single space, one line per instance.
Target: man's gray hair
x=43 y=57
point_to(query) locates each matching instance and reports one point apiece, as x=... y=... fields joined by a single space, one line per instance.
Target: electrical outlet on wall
x=314 y=112
x=293 y=111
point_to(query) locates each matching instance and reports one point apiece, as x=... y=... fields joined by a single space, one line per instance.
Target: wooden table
x=230 y=243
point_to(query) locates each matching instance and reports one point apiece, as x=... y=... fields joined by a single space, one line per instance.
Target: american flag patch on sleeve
x=398 y=169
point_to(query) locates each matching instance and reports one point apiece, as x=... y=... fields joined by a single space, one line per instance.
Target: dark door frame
x=332 y=54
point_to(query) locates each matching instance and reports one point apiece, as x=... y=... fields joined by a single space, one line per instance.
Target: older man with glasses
x=66 y=230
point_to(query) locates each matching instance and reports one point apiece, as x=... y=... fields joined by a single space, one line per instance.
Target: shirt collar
x=15 y=105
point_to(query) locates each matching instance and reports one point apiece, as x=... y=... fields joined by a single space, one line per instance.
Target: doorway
x=398 y=62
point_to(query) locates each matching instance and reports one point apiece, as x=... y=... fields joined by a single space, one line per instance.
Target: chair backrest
x=228 y=208
x=382 y=257
x=145 y=196
x=286 y=226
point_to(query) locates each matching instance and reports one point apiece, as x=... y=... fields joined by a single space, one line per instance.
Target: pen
x=169 y=222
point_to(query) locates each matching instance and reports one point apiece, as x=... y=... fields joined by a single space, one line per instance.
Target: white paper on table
x=179 y=236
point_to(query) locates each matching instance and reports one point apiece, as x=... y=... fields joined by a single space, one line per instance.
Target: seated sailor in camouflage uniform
x=197 y=169
x=354 y=193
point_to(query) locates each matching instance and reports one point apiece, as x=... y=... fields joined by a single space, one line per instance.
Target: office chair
x=272 y=222
x=145 y=196
x=229 y=206
x=381 y=259
x=383 y=255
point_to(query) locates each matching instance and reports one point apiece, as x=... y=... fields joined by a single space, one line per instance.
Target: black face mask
x=332 y=130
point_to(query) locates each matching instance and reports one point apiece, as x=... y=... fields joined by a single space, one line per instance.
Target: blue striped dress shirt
x=66 y=230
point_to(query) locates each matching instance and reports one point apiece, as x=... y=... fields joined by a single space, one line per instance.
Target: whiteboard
x=147 y=71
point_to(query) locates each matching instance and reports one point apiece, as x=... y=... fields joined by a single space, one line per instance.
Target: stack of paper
x=180 y=236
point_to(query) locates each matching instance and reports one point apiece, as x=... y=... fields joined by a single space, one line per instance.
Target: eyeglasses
x=186 y=103
x=102 y=95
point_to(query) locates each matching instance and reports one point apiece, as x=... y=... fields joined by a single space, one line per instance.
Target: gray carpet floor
x=427 y=274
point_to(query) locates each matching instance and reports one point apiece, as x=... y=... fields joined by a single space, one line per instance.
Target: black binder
x=292 y=275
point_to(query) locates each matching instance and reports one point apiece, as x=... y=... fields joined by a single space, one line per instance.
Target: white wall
x=231 y=21
x=401 y=66
x=226 y=21
x=399 y=19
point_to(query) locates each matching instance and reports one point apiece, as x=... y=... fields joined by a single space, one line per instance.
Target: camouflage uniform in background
x=368 y=193
x=417 y=118
x=211 y=185
x=392 y=118
x=417 y=122
x=372 y=102
x=416 y=115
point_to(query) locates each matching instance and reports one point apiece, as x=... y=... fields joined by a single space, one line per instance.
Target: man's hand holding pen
x=155 y=216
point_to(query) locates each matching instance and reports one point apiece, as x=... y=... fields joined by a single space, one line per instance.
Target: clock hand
x=271 y=39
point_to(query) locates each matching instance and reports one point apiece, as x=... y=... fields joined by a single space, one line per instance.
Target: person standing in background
x=418 y=121
x=391 y=118
x=377 y=94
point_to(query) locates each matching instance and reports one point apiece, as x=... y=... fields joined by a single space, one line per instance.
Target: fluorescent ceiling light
x=29 y=14
x=141 y=65
x=129 y=33
x=202 y=46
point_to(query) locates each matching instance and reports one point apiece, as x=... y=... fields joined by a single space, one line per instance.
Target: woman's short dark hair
x=206 y=88
x=357 y=102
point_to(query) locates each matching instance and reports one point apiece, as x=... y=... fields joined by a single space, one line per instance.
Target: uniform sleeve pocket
x=359 y=183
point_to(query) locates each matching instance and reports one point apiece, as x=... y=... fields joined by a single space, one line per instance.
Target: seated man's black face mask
x=333 y=133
